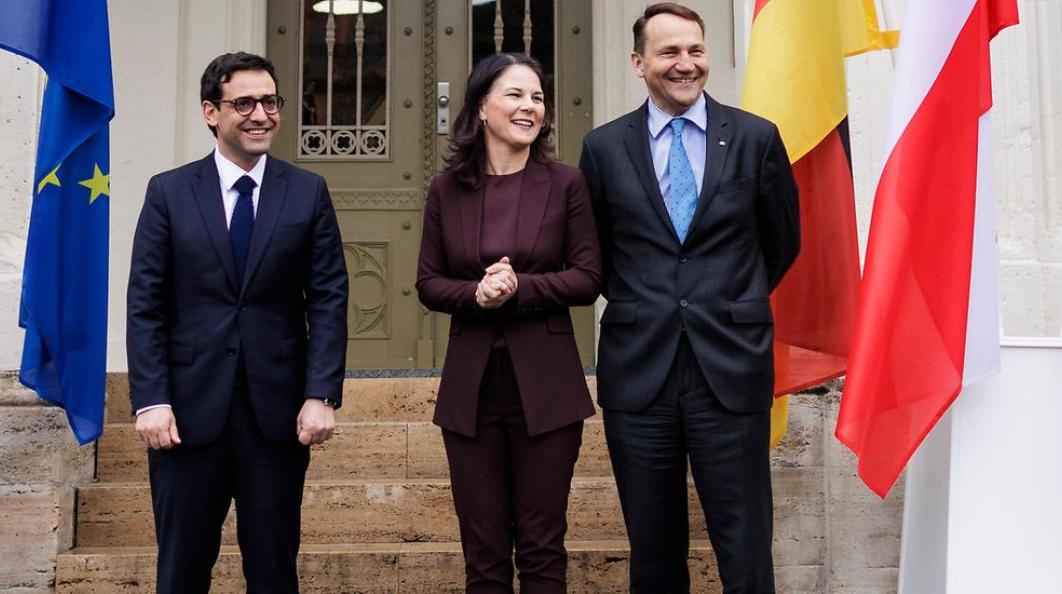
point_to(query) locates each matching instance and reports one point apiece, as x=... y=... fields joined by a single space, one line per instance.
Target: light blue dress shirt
x=694 y=138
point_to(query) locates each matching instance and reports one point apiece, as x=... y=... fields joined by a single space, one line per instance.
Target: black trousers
x=511 y=490
x=192 y=487
x=729 y=459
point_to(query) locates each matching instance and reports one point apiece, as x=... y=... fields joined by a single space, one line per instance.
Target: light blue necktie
x=682 y=195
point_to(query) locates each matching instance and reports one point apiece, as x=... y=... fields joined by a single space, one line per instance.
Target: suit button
x=683 y=302
x=244 y=308
x=683 y=259
x=230 y=352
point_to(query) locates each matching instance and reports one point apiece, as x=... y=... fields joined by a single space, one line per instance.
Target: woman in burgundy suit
x=509 y=244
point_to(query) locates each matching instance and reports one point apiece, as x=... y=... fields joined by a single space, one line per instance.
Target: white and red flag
x=927 y=317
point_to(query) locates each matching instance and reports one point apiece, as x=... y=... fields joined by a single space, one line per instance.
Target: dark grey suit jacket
x=188 y=320
x=716 y=286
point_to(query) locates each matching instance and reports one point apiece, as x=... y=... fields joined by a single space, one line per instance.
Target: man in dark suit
x=698 y=220
x=236 y=337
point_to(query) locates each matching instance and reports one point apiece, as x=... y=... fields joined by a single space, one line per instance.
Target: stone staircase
x=378 y=516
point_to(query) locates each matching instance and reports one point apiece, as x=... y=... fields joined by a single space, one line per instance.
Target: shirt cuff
x=147 y=408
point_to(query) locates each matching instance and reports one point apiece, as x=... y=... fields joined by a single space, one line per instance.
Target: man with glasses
x=237 y=337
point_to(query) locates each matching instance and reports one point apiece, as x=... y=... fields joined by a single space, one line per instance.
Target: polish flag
x=927 y=318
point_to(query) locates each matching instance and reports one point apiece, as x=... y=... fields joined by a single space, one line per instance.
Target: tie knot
x=245 y=185
x=677 y=125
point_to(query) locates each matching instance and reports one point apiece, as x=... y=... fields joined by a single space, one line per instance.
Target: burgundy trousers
x=511 y=491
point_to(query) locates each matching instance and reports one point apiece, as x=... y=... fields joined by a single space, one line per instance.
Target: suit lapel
x=270 y=203
x=207 y=191
x=637 y=141
x=471 y=206
x=716 y=150
x=534 y=197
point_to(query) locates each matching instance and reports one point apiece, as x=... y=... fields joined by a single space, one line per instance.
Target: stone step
x=373 y=511
x=364 y=449
x=594 y=567
x=408 y=399
x=360 y=450
x=421 y=510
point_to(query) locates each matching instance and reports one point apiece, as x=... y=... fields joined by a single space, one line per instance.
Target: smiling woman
x=509 y=244
x=512 y=114
x=503 y=122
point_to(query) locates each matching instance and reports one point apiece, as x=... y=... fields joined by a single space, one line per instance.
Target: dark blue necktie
x=242 y=225
x=682 y=195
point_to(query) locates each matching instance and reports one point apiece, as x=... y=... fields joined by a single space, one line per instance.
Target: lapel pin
x=722 y=143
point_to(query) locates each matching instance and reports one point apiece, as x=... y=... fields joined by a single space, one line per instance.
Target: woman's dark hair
x=221 y=69
x=467 y=157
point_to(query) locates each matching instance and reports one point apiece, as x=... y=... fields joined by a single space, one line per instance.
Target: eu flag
x=64 y=284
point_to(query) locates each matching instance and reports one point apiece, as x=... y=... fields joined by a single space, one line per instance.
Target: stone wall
x=40 y=466
x=856 y=533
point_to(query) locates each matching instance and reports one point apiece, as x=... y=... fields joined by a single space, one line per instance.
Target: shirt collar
x=697 y=114
x=230 y=172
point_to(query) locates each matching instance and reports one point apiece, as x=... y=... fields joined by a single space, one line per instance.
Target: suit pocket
x=291 y=348
x=179 y=354
x=751 y=311
x=620 y=312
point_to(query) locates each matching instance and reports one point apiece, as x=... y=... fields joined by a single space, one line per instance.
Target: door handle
x=442 y=108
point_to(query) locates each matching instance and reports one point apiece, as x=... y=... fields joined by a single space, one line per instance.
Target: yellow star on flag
x=98 y=183
x=51 y=179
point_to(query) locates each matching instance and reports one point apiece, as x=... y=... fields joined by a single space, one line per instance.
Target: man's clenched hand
x=158 y=428
x=316 y=422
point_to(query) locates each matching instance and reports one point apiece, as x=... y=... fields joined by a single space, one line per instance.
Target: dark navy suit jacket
x=188 y=321
x=716 y=285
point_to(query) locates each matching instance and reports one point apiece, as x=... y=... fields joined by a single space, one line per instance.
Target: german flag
x=795 y=78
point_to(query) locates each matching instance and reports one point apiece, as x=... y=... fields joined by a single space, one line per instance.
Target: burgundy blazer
x=558 y=264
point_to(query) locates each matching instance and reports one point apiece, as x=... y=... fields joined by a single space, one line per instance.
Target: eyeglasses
x=245 y=106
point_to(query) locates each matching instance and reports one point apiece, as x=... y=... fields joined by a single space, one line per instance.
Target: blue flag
x=64 y=284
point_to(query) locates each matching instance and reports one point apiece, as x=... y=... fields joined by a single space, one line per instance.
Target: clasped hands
x=497 y=286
